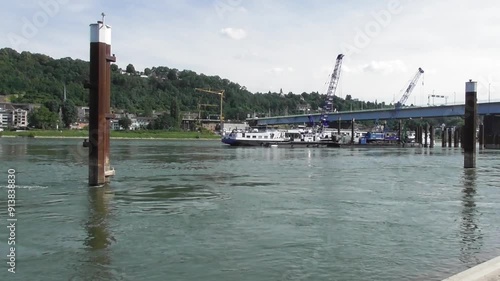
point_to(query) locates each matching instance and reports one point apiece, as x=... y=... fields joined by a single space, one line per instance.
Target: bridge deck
x=383 y=114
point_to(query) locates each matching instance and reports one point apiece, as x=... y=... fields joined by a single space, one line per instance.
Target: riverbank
x=114 y=135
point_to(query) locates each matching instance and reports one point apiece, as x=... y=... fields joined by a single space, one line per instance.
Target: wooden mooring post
x=470 y=116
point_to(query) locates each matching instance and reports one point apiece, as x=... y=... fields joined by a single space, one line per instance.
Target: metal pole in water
x=99 y=103
x=470 y=116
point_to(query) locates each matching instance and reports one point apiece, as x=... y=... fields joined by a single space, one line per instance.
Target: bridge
x=382 y=114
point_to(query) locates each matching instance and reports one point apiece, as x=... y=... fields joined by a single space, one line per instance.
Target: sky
x=268 y=45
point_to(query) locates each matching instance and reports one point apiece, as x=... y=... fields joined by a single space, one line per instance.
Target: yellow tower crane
x=221 y=94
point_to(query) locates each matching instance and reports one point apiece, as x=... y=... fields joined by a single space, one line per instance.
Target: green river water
x=198 y=210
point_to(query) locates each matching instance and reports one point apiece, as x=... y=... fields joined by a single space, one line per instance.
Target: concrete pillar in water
x=426 y=134
x=99 y=103
x=491 y=135
x=431 y=132
x=481 y=136
x=338 y=127
x=456 y=133
x=444 y=135
x=470 y=116
x=417 y=135
x=450 y=136
x=399 y=132
x=352 y=131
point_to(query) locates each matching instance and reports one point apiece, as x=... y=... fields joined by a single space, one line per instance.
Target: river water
x=198 y=210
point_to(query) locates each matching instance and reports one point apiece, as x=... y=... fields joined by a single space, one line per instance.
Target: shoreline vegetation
x=83 y=134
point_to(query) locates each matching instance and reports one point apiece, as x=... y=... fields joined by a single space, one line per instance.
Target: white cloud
x=234 y=33
x=385 y=67
x=279 y=70
x=287 y=44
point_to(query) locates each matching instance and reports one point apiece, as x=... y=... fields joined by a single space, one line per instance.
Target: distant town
x=14 y=116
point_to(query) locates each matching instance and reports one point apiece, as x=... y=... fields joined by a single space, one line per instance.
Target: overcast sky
x=268 y=45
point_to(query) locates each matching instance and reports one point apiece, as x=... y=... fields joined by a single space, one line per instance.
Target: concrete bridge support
x=491 y=131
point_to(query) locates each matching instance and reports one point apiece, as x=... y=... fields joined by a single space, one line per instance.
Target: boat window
x=254 y=137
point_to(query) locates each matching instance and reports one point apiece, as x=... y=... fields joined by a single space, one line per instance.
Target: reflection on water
x=470 y=232
x=99 y=237
x=14 y=149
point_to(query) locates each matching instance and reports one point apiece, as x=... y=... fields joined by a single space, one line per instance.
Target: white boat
x=259 y=136
x=263 y=136
x=411 y=137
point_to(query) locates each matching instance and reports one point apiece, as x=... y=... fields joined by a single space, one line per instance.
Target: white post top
x=100 y=33
x=470 y=86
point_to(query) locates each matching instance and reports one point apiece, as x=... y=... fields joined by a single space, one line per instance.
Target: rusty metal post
x=470 y=116
x=99 y=103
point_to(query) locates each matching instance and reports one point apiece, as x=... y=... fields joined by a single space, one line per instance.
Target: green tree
x=52 y=105
x=163 y=122
x=114 y=68
x=125 y=123
x=130 y=69
x=172 y=74
x=175 y=113
x=148 y=111
x=42 y=118
x=69 y=113
x=147 y=71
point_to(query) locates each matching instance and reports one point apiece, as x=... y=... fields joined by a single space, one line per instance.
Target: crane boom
x=409 y=88
x=221 y=94
x=332 y=87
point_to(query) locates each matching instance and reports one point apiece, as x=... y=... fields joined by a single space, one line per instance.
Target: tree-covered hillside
x=37 y=78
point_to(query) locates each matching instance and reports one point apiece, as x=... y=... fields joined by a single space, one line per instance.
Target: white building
x=15 y=118
x=19 y=118
x=4 y=119
x=83 y=113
